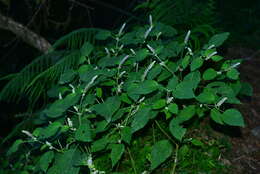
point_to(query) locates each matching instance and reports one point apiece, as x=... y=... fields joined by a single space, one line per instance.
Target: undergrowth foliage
x=148 y=76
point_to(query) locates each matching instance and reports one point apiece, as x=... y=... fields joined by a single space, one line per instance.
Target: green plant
x=145 y=79
x=44 y=71
x=200 y=15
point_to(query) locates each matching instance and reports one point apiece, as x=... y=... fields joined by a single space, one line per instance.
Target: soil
x=245 y=155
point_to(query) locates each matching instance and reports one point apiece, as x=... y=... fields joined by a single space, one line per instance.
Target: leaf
x=147 y=87
x=83 y=133
x=14 y=147
x=141 y=118
x=161 y=150
x=86 y=49
x=103 y=35
x=108 y=108
x=246 y=89
x=159 y=104
x=60 y=106
x=141 y=55
x=99 y=144
x=142 y=88
x=101 y=126
x=173 y=82
x=67 y=76
x=99 y=92
x=154 y=72
x=173 y=108
x=116 y=153
x=196 y=63
x=193 y=79
x=216 y=58
x=50 y=131
x=184 y=90
x=218 y=39
x=206 y=97
x=216 y=116
x=125 y=98
x=185 y=62
x=126 y=134
x=186 y=114
x=119 y=114
x=46 y=160
x=233 y=74
x=209 y=74
x=176 y=130
x=233 y=117
x=64 y=162
x=197 y=142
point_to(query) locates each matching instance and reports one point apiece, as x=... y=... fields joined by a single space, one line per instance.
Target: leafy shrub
x=148 y=76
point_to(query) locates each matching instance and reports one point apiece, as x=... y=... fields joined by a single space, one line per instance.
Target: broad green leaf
x=193 y=79
x=159 y=104
x=233 y=117
x=184 y=90
x=108 y=108
x=141 y=55
x=65 y=162
x=125 y=98
x=50 y=131
x=89 y=99
x=216 y=116
x=166 y=30
x=197 y=142
x=99 y=144
x=86 y=49
x=186 y=114
x=126 y=134
x=99 y=92
x=120 y=113
x=68 y=76
x=246 y=89
x=233 y=74
x=185 y=62
x=46 y=160
x=173 y=108
x=161 y=151
x=83 y=133
x=173 y=82
x=147 y=87
x=142 y=88
x=60 y=106
x=236 y=87
x=101 y=126
x=14 y=147
x=103 y=35
x=154 y=72
x=209 y=74
x=141 y=118
x=196 y=63
x=116 y=153
x=216 y=58
x=218 y=39
x=176 y=130
x=164 y=75
x=206 y=97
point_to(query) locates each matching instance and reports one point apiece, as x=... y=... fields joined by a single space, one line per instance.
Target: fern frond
x=75 y=39
x=17 y=85
x=35 y=79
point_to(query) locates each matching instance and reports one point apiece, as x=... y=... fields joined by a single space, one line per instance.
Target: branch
x=24 y=33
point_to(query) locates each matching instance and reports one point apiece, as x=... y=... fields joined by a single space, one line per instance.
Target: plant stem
x=165 y=133
x=132 y=160
x=176 y=159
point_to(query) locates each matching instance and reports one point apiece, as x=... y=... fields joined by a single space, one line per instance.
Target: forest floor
x=245 y=154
